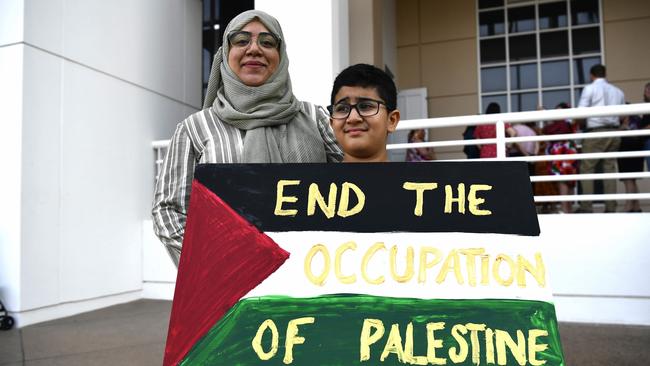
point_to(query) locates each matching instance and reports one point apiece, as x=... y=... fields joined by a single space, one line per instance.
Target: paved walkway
x=134 y=334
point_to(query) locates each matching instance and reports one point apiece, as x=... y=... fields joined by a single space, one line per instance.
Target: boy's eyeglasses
x=365 y=108
x=241 y=39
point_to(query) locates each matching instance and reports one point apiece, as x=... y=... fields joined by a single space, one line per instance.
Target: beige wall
x=365 y=32
x=626 y=27
x=436 y=49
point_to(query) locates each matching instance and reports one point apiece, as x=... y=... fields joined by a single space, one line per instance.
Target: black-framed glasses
x=365 y=108
x=242 y=39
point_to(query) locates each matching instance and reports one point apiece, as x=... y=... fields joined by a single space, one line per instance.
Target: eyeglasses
x=242 y=39
x=365 y=108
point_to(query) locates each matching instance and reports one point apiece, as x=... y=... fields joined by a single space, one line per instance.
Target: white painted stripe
x=291 y=279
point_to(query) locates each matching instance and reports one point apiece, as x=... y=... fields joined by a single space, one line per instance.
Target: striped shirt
x=200 y=139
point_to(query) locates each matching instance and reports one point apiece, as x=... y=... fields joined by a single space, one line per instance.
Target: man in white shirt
x=600 y=93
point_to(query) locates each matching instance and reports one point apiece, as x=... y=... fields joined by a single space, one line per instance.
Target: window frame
x=573 y=86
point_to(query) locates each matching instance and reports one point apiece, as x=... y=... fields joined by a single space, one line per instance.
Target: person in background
x=363 y=112
x=631 y=165
x=250 y=115
x=490 y=132
x=471 y=151
x=561 y=147
x=420 y=153
x=600 y=93
x=645 y=123
x=527 y=148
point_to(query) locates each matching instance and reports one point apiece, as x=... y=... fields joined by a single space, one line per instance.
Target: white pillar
x=311 y=43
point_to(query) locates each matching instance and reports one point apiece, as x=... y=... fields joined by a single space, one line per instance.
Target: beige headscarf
x=277 y=128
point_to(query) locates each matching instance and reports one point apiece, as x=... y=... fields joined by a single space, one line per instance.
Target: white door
x=412 y=104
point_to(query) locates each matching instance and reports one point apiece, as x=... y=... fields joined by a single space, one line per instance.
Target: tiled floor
x=134 y=334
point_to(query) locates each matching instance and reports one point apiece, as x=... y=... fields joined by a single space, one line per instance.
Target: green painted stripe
x=334 y=337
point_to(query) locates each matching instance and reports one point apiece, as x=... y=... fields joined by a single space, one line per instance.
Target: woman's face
x=252 y=63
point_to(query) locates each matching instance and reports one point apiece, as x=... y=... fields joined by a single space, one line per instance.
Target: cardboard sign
x=378 y=264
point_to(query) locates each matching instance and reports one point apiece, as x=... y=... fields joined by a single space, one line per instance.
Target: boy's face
x=363 y=138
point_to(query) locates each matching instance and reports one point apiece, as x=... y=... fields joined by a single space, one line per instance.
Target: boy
x=363 y=112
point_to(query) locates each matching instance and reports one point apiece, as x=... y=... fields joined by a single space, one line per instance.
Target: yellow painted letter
x=533 y=347
x=474 y=201
x=280 y=198
x=497 y=275
x=470 y=255
x=368 y=338
x=345 y=200
x=320 y=280
x=257 y=340
x=452 y=262
x=315 y=196
x=457 y=331
x=366 y=259
x=408 y=271
x=293 y=337
x=408 y=349
x=419 y=189
x=518 y=349
x=424 y=264
x=539 y=271
x=433 y=343
x=473 y=336
x=449 y=198
x=393 y=344
x=337 y=263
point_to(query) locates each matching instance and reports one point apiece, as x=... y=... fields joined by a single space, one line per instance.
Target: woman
x=563 y=147
x=490 y=132
x=250 y=115
x=420 y=153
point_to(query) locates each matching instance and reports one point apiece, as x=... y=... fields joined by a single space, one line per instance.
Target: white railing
x=549 y=115
x=160 y=146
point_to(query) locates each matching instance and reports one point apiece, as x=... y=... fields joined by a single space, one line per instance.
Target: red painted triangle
x=224 y=257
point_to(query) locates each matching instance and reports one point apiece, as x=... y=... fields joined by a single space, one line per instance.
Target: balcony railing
x=502 y=141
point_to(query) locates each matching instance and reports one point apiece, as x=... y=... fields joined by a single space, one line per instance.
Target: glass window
x=584 y=12
x=207 y=64
x=493 y=50
x=521 y=19
x=551 y=45
x=550 y=99
x=484 y=4
x=554 y=44
x=552 y=15
x=491 y=23
x=523 y=76
x=581 y=67
x=501 y=100
x=520 y=102
x=523 y=47
x=493 y=79
x=576 y=94
x=207 y=11
x=586 y=40
x=555 y=73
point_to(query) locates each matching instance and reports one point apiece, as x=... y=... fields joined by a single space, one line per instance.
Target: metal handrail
x=533 y=116
x=522 y=117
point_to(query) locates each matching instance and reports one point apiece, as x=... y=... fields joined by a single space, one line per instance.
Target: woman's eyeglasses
x=365 y=108
x=242 y=39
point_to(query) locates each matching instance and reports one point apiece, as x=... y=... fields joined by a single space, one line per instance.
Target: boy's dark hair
x=367 y=76
x=598 y=71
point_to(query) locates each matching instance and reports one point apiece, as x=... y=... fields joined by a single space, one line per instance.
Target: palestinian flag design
x=362 y=264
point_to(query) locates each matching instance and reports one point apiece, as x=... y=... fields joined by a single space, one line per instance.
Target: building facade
x=470 y=52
